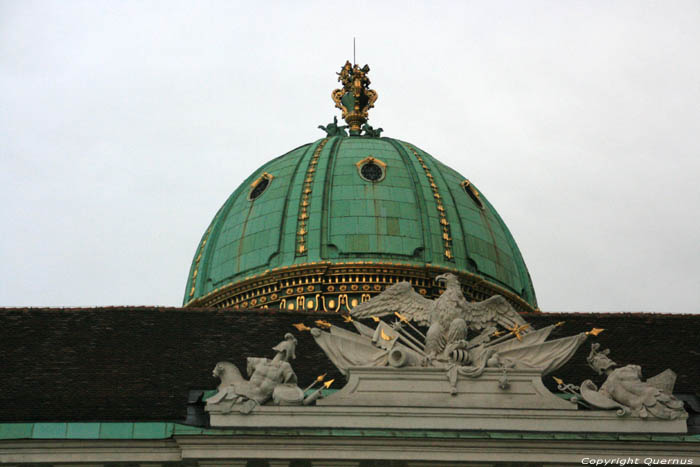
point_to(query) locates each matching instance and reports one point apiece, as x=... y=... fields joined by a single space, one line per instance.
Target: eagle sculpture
x=448 y=317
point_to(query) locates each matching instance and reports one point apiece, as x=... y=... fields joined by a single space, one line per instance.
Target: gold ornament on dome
x=354 y=98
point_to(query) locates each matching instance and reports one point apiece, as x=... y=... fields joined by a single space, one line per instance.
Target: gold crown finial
x=355 y=98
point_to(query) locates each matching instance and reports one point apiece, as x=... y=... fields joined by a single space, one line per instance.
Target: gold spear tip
x=376 y=320
x=328 y=383
x=560 y=323
x=497 y=333
x=301 y=327
x=559 y=381
x=323 y=324
x=595 y=331
x=401 y=317
x=347 y=318
x=320 y=377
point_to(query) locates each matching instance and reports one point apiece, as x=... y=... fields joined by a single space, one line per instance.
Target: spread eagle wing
x=399 y=298
x=491 y=312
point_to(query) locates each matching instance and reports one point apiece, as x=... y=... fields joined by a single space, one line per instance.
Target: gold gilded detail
x=301 y=327
x=517 y=330
x=199 y=257
x=355 y=98
x=342 y=300
x=302 y=230
x=438 y=205
x=264 y=176
x=383 y=334
x=472 y=192
x=371 y=159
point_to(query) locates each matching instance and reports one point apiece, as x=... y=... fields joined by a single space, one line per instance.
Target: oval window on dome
x=259 y=186
x=371 y=169
x=472 y=192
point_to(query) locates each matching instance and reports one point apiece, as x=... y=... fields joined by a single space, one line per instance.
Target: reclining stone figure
x=269 y=379
x=624 y=389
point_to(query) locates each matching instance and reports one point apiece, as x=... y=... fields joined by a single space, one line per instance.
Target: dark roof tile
x=139 y=363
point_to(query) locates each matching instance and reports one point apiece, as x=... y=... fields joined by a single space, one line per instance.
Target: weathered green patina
x=400 y=219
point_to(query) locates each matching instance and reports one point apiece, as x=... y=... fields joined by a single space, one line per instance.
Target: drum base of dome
x=338 y=287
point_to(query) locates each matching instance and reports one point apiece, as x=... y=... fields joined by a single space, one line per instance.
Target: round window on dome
x=472 y=192
x=259 y=186
x=371 y=169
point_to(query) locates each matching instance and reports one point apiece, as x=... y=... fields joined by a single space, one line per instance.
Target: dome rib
x=289 y=217
x=323 y=228
x=417 y=174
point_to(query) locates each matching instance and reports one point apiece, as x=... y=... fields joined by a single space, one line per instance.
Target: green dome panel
x=317 y=209
x=373 y=219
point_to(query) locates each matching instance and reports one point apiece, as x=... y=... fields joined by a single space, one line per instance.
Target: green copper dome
x=336 y=221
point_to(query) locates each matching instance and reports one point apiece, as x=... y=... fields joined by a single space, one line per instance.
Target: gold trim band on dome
x=327 y=287
x=302 y=220
x=444 y=223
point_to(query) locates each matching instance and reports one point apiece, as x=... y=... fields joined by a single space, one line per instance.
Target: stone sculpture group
x=500 y=366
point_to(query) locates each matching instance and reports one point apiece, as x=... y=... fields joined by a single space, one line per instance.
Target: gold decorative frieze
x=305 y=203
x=335 y=288
x=444 y=223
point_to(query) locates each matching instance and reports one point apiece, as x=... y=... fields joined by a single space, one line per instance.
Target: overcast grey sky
x=125 y=125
